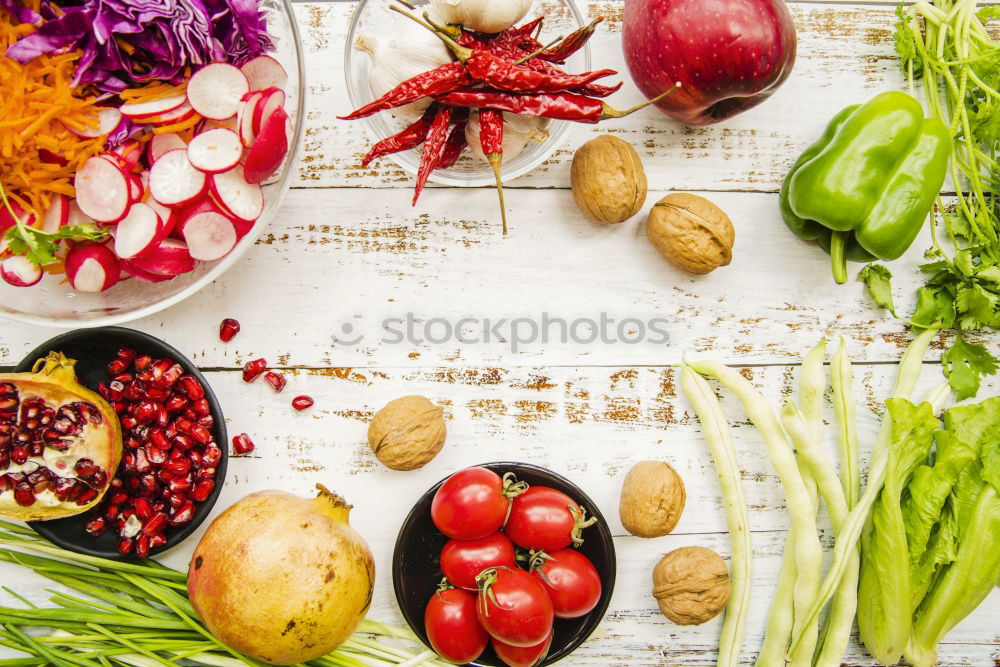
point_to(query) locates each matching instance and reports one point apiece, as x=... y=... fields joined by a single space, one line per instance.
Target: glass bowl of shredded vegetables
x=380 y=39
x=145 y=148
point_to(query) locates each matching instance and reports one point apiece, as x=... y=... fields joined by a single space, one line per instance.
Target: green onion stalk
x=138 y=614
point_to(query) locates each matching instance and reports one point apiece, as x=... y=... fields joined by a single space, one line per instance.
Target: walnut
x=609 y=184
x=691 y=585
x=652 y=499
x=691 y=233
x=407 y=433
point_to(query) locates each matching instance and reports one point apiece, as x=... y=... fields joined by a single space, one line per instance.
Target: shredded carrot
x=153 y=91
x=178 y=127
x=38 y=105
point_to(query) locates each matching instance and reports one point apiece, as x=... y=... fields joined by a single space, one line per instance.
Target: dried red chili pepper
x=456 y=142
x=410 y=137
x=438 y=81
x=515 y=38
x=559 y=106
x=502 y=74
x=491 y=141
x=590 y=90
x=433 y=148
x=570 y=44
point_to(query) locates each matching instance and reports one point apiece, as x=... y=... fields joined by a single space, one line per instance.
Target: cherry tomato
x=543 y=519
x=522 y=657
x=470 y=504
x=570 y=579
x=513 y=607
x=461 y=561
x=452 y=627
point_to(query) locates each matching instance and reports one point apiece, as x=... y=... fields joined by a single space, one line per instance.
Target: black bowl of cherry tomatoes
x=504 y=564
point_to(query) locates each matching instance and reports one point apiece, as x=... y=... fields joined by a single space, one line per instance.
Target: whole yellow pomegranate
x=280 y=578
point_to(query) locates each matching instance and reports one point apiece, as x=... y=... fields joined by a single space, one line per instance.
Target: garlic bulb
x=406 y=52
x=518 y=130
x=482 y=15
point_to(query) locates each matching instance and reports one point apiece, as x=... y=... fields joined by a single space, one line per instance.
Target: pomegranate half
x=280 y=578
x=60 y=443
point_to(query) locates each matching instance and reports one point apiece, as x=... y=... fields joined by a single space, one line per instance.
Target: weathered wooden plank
x=590 y=424
x=845 y=55
x=339 y=257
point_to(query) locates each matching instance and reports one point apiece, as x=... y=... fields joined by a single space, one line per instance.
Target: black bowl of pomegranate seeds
x=174 y=444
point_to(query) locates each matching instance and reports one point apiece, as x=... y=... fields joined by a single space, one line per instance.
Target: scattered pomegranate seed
x=300 y=403
x=254 y=369
x=125 y=545
x=228 y=329
x=276 y=380
x=242 y=444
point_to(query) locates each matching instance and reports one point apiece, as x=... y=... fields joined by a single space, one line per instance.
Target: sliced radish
x=209 y=234
x=144 y=110
x=76 y=216
x=102 y=190
x=92 y=268
x=247 y=106
x=162 y=143
x=215 y=90
x=170 y=258
x=165 y=213
x=107 y=120
x=7 y=220
x=57 y=215
x=173 y=181
x=269 y=148
x=136 y=191
x=242 y=199
x=141 y=274
x=178 y=115
x=271 y=100
x=48 y=156
x=142 y=230
x=20 y=272
x=128 y=155
x=264 y=72
x=213 y=151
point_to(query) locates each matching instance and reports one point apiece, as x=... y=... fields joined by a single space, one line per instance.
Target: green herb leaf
x=965 y=364
x=40 y=247
x=878 y=280
x=935 y=309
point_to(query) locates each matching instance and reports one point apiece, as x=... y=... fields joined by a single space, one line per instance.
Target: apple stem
x=609 y=112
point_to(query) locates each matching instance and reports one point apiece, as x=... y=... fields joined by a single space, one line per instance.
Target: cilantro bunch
x=945 y=43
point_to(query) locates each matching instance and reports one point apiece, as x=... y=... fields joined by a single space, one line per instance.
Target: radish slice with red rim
x=92 y=268
x=216 y=150
x=170 y=258
x=173 y=181
x=269 y=148
x=242 y=199
x=210 y=235
x=264 y=72
x=103 y=190
x=57 y=216
x=162 y=143
x=180 y=114
x=143 y=110
x=215 y=90
x=107 y=120
x=247 y=106
x=271 y=100
x=141 y=274
x=140 y=231
x=20 y=272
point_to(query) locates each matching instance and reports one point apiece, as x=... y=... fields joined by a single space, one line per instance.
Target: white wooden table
x=348 y=249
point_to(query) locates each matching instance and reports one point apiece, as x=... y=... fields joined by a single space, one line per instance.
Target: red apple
x=728 y=55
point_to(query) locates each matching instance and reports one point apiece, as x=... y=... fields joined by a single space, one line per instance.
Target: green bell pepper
x=863 y=190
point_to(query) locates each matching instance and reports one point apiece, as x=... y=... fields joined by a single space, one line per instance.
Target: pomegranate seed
x=155 y=524
x=148 y=483
x=211 y=456
x=155 y=455
x=301 y=403
x=124 y=378
x=201 y=408
x=111 y=512
x=142 y=509
x=162 y=416
x=118 y=498
x=85 y=468
x=203 y=489
x=228 y=329
x=125 y=545
x=180 y=484
x=205 y=473
x=201 y=434
x=86 y=496
x=183 y=514
x=183 y=424
x=158 y=439
x=242 y=444
x=141 y=460
x=170 y=376
x=276 y=380
x=179 y=467
x=145 y=413
x=143 y=362
x=19 y=455
x=134 y=392
x=25 y=496
x=254 y=369
x=97 y=526
x=175 y=403
x=128 y=423
x=158 y=394
x=208 y=421
x=116 y=390
x=183 y=441
x=127 y=355
x=142 y=546
x=157 y=540
x=190 y=386
x=117 y=366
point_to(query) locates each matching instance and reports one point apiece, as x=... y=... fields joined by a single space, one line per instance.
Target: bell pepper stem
x=838 y=247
